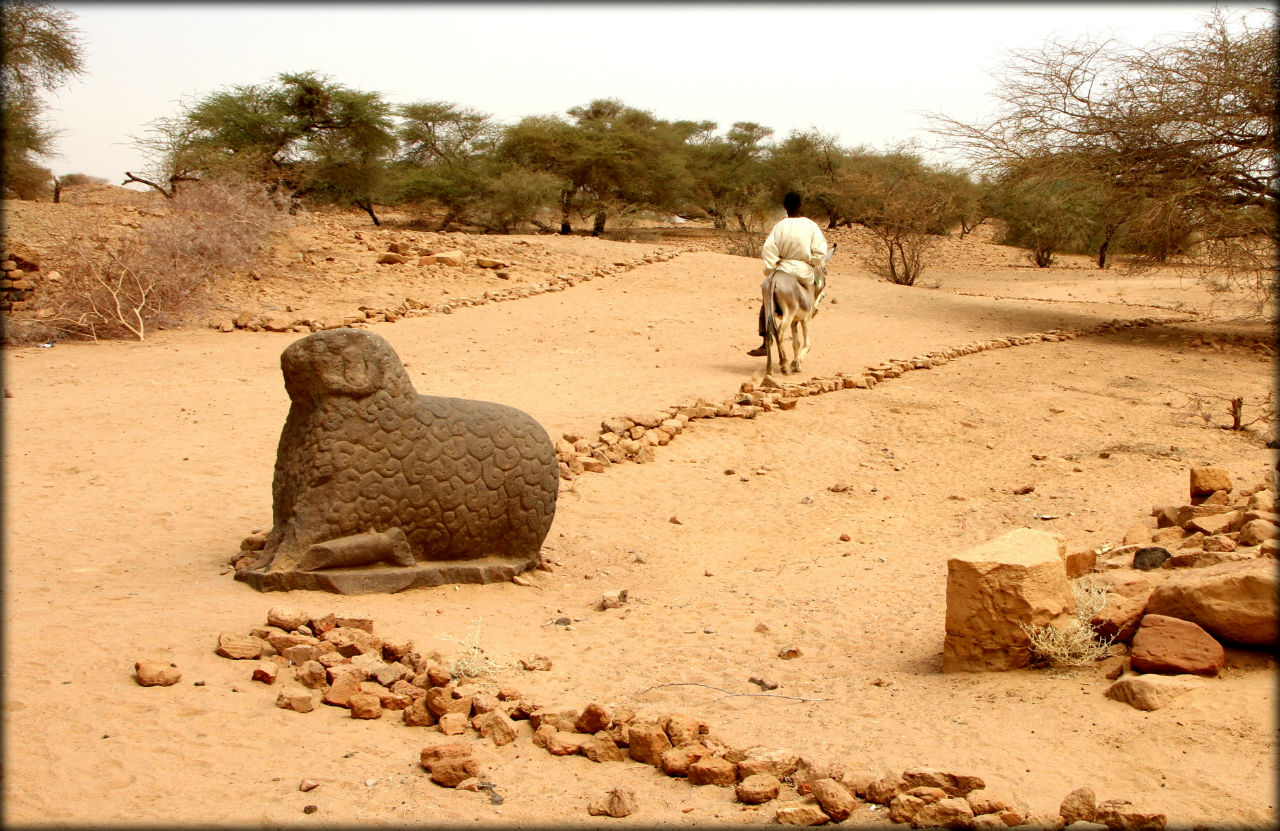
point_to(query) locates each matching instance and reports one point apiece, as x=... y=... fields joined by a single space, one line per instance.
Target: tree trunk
x=564 y=213
x=367 y=207
x=1102 y=253
x=57 y=191
x=597 y=227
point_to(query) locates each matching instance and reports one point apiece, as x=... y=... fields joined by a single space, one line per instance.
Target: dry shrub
x=471 y=660
x=125 y=284
x=1076 y=643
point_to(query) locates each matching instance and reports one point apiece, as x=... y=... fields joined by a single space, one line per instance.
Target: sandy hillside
x=133 y=470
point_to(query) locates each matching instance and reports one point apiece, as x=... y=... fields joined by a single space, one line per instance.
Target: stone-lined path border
x=634 y=437
x=417 y=308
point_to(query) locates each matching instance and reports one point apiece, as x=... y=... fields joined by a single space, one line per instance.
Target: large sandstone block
x=1234 y=601
x=1019 y=578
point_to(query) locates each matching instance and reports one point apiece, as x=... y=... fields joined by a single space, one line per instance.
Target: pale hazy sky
x=864 y=71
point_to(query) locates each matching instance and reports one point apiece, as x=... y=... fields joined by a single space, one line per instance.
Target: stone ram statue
x=380 y=489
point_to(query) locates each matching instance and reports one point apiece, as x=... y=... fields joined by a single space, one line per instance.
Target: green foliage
x=726 y=173
x=41 y=52
x=516 y=197
x=303 y=134
x=1045 y=214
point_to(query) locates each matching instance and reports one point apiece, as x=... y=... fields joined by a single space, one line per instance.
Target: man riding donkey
x=797 y=247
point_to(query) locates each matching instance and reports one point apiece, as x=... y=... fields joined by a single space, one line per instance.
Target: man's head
x=792 y=203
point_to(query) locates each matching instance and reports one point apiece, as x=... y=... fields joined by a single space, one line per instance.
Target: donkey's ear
x=830 y=251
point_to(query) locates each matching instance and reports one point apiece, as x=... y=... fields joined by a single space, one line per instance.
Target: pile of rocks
x=339 y=661
x=400 y=253
x=17 y=283
x=1221 y=342
x=634 y=437
x=1216 y=525
x=1166 y=615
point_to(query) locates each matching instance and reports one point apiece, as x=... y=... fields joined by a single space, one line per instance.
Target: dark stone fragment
x=1151 y=557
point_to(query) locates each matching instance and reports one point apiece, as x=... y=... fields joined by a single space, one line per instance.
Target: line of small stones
x=416 y=308
x=634 y=437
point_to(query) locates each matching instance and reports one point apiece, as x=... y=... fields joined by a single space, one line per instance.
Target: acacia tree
x=1188 y=128
x=811 y=162
x=726 y=171
x=41 y=52
x=627 y=157
x=609 y=156
x=444 y=156
x=303 y=135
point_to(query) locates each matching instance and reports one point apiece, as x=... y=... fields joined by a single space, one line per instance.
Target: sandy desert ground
x=132 y=470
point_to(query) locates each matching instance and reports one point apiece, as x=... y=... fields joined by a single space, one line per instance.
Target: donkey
x=790 y=305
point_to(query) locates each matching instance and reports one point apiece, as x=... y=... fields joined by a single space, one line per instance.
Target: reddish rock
x=804 y=814
x=1206 y=480
x=997 y=588
x=450 y=764
x=1011 y=809
x=835 y=799
x=952 y=812
x=682 y=729
x=495 y=726
x=1219 y=542
x=344 y=686
x=619 y=802
x=647 y=743
x=156 y=673
x=594 y=718
x=1079 y=806
x=564 y=743
x=1121 y=815
x=713 y=770
x=286 y=618
x=882 y=790
x=1080 y=563
x=677 y=760
x=353 y=640
x=266 y=672
x=365 y=705
x=904 y=807
x=312 y=675
x=1118 y=618
x=452 y=724
x=602 y=748
x=295 y=697
x=1171 y=646
x=1151 y=692
x=1233 y=601
x=239 y=647
x=757 y=788
x=1215 y=524
x=1258 y=531
x=1128 y=583
x=953 y=784
x=775 y=763
x=417 y=714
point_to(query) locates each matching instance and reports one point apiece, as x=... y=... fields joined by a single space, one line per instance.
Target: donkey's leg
x=803 y=342
x=784 y=326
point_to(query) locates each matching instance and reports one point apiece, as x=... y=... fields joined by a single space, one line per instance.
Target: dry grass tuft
x=1076 y=644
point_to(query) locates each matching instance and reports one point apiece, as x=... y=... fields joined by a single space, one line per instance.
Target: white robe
x=795 y=245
